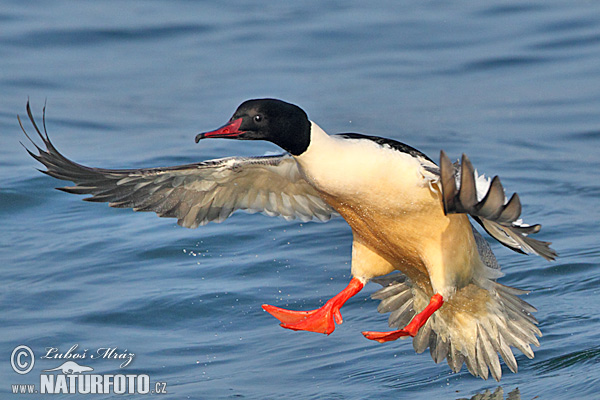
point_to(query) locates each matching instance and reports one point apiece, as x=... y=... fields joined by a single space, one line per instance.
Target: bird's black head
x=276 y=121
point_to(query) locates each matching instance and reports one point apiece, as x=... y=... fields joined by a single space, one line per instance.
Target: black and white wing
x=197 y=193
x=465 y=192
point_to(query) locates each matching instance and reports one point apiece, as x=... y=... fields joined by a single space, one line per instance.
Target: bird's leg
x=413 y=327
x=320 y=320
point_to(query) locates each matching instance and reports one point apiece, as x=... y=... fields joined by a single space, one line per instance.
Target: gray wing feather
x=497 y=216
x=195 y=194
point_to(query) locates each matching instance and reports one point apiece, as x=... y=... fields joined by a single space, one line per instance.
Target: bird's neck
x=320 y=143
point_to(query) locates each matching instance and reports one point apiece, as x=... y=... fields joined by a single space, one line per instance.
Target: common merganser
x=409 y=219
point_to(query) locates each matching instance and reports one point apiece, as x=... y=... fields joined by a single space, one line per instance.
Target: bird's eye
x=258 y=118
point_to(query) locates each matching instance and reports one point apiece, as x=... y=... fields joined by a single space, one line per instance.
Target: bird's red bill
x=231 y=129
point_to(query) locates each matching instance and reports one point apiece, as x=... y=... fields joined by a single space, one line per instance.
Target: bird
x=411 y=221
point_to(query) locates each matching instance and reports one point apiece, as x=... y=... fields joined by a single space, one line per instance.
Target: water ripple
x=74 y=37
x=588 y=357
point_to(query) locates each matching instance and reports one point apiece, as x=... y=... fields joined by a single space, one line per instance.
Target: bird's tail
x=473 y=327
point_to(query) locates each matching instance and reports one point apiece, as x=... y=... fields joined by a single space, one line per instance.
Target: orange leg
x=413 y=327
x=320 y=320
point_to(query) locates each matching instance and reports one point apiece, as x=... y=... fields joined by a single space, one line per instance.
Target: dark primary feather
x=498 y=218
x=195 y=194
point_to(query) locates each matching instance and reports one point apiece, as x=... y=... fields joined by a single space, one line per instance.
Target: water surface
x=129 y=84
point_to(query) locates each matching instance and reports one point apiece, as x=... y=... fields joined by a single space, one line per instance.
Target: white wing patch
x=431 y=174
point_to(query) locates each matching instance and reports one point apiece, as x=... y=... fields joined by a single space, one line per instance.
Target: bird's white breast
x=393 y=206
x=362 y=171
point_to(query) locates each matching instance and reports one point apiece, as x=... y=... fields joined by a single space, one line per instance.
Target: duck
x=411 y=221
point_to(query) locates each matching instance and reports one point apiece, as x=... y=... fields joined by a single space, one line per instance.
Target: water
x=129 y=84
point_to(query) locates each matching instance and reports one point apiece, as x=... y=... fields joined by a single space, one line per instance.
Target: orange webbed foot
x=321 y=320
x=383 y=337
x=413 y=327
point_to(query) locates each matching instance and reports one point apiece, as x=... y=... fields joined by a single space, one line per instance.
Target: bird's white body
x=393 y=205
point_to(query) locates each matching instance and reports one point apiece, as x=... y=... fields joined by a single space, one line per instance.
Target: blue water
x=514 y=85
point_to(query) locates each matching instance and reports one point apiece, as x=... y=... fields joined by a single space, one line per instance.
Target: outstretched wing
x=195 y=194
x=464 y=192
